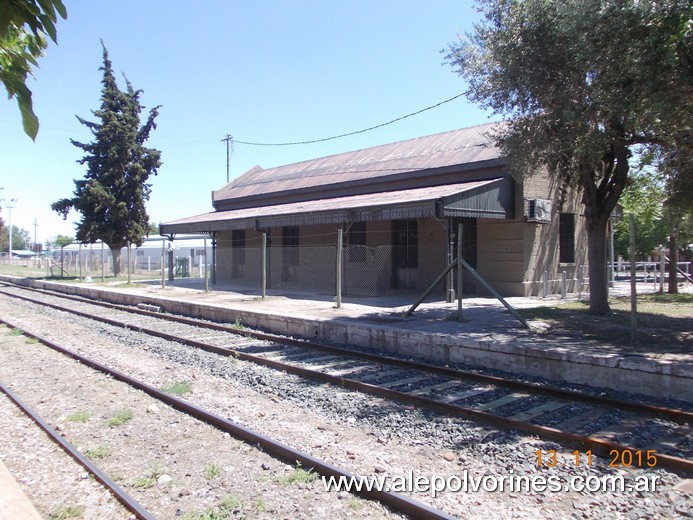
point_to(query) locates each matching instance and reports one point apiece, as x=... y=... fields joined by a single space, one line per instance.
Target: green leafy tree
x=23 y=24
x=112 y=196
x=643 y=198
x=62 y=240
x=20 y=238
x=582 y=82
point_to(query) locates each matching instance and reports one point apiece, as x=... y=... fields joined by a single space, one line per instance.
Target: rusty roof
x=459 y=147
x=414 y=203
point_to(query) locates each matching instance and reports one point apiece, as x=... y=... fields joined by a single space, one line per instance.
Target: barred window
x=290 y=245
x=238 y=246
x=566 y=246
x=356 y=239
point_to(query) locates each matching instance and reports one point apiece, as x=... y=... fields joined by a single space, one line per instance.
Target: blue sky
x=261 y=71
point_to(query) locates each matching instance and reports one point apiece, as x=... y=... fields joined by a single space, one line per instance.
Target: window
x=290 y=245
x=238 y=246
x=566 y=245
x=356 y=239
x=405 y=241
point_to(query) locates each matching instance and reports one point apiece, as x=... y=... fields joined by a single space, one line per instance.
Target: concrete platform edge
x=623 y=373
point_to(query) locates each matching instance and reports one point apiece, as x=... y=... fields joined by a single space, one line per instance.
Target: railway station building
x=398 y=207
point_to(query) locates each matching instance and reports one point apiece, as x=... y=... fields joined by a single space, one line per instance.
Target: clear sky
x=262 y=71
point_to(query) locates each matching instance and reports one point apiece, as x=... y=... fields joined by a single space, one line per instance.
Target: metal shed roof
x=465 y=147
x=487 y=198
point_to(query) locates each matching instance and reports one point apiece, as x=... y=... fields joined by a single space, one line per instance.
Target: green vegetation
x=617 y=78
x=298 y=476
x=226 y=508
x=212 y=471
x=178 y=388
x=260 y=505
x=66 y=511
x=121 y=418
x=112 y=196
x=665 y=321
x=100 y=452
x=143 y=482
x=16 y=332
x=79 y=417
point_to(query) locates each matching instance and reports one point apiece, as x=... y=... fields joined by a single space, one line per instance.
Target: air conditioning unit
x=539 y=210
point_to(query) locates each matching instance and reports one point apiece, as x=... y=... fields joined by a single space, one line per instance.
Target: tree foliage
x=23 y=24
x=582 y=82
x=62 y=241
x=112 y=196
x=643 y=198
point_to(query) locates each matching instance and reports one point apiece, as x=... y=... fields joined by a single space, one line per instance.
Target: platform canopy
x=491 y=198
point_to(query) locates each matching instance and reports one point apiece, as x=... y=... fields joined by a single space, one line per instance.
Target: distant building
x=399 y=206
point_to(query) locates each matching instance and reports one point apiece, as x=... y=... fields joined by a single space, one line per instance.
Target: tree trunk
x=673 y=256
x=115 y=253
x=596 y=253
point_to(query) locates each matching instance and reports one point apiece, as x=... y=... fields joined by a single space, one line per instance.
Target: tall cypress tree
x=111 y=198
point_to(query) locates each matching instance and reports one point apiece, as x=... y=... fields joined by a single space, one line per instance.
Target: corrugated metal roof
x=459 y=147
x=411 y=203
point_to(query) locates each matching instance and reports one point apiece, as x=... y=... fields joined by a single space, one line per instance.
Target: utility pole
x=229 y=144
x=35 y=244
x=10 y=206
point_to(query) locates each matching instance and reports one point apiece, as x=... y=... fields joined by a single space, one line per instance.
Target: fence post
x=460 y=272
x=633 y=290
x=205 y=257
x=564 y=281
x=340 y=238
x=163 y=260
x=661 y=271
x=545 y=283
x=263 y=265
x=129 y=260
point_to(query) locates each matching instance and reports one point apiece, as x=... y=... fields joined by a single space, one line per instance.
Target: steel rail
x=121 y=495
x=598 y=446
x=282 y=451
x=675 y=415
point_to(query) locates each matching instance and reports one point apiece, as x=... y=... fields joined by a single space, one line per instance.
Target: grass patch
x=225 y=509
x=100 y=452
x=237 y=325
x=260 y=505
x=664 y=322
x=79 y=417
x=178 y=388
x=31 y=341
x=66 y=511
x=212 y=471
x=298 y=476
x=121 y=418
x=16 y=332
x=143 y=482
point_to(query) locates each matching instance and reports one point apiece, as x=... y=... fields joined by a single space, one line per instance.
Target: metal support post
x=339 y=268
x=460 y=271
x=450 y=293
x=206 y=264
x=263 y=265
x=633 y=289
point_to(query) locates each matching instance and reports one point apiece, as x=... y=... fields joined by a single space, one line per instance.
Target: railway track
x=281 y=451
x=590 y=424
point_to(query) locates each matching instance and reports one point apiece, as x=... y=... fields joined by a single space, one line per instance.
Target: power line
x=352 y=133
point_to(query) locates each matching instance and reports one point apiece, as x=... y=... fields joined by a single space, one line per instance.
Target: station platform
x=14 y=504
x=489 y=336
